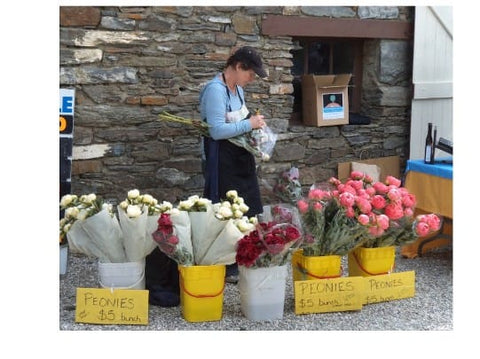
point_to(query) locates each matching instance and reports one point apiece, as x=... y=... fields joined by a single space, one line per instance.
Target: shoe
x=233 y=279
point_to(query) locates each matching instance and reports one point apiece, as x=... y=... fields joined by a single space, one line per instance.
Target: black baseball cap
x=248 y=56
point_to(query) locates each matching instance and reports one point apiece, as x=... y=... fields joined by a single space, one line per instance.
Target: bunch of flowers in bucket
x=92 y=228
x=334 y=217
x=270 y=243
x=260 y=142
x=198 y=232
x=391 y=220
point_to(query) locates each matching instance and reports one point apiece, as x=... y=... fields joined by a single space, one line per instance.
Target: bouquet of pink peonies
x=391 y=220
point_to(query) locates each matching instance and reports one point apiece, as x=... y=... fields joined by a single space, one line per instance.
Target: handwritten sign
x=383 y=288
x=106 y=306
x=329 y=295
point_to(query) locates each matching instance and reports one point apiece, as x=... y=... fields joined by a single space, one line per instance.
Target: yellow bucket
x=367 y=262
x=315 y=267
x=201 y=292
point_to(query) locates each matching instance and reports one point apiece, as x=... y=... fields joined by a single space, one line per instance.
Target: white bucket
x=63 y=259
x=129 y=275
x=262 y=292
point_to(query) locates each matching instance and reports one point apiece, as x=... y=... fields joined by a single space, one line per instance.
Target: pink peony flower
x=409 y=200
x=370 y=191
x=357 y=175
x=383 y=221
x=302 y=206
x=347 y=199
x=363 y=219
x=390 y=180
x=394 y=194
x=364 y=205
x=408 y=212
x=380 y=187
x=316 y=194
x=422 y=229
x=394 y=211
x=432 y=220
x=356 y=184
x=378 y=202
x=317 y=206
x=368 y=179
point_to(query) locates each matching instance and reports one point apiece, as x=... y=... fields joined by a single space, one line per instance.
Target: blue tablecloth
x=441 y=168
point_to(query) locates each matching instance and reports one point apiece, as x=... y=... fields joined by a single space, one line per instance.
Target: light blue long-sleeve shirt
x=214 y=104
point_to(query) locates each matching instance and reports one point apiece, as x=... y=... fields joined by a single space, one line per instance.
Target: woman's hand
x=257 y=121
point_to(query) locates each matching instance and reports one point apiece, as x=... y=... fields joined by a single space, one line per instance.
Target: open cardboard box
x=325 y=99
x=389 y=166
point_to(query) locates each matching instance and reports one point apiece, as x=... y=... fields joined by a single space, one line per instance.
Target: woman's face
x=244 y=77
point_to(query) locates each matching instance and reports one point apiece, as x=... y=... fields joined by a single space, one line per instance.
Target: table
x=432 y=186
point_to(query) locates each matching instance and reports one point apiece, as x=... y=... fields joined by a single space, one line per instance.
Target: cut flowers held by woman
x=259 y=142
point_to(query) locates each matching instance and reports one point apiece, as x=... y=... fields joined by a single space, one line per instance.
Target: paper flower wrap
x=99 y=235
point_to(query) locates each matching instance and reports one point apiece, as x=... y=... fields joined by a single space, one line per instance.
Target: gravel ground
x=431 y=309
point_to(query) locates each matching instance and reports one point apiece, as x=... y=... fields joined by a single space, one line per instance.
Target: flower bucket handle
x=303 y=270
x=366 y=271
x=134 y=285
x=200 y=295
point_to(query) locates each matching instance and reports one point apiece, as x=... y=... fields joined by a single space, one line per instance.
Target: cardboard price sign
x=386 y=287
x=111 y=306
x=329 y=295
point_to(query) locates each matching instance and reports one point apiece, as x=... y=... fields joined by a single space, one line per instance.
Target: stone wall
x=128 y=64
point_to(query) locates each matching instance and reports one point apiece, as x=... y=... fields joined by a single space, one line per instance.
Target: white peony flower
x=148 y=199
x=67 y=227
x=71 y=212
x=67 y=199
x=132 y=194
x=133 y=211
x=232 y=194
x=123 y=205
x=238 y=214
x=243 y=207
x=224 y=213
x=244 y=226
x=226 y=204
x=165 y=206
x=203 y=202
x=91 y=198
x=82 y=214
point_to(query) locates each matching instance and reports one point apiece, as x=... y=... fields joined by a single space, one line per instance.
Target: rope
x=366 y=271
x=305 y=271
x=200 y=295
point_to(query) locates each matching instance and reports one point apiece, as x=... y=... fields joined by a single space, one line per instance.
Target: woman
x=222 y=105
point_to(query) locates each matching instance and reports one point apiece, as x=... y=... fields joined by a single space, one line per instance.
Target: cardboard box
x=389 y=166
x=325 y=99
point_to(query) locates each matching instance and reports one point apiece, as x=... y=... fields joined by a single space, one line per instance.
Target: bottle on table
x=428 y=157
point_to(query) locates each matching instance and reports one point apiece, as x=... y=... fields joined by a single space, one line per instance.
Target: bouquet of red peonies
x=268 y=245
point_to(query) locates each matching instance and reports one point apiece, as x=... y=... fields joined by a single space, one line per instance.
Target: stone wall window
x=319 y=56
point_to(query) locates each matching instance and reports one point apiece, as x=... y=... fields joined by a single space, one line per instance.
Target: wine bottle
x=428 y=145
x=434 y=145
